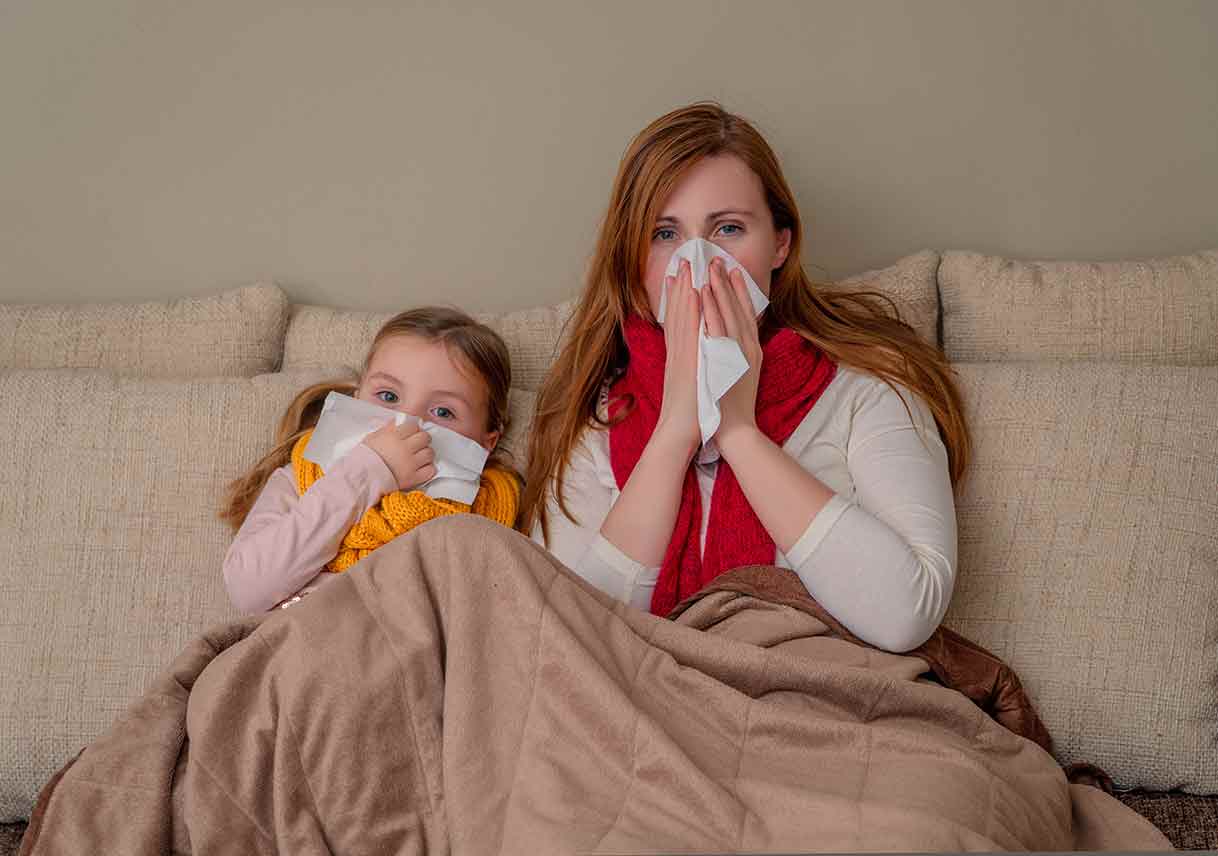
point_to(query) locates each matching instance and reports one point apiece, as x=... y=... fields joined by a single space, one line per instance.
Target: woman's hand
x=678 y=421
x=729 y=313
x=406 y=450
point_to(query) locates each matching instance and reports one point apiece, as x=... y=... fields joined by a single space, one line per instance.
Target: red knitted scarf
x=794 y=373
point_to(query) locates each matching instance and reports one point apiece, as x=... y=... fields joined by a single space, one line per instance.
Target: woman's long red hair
x=859 y=328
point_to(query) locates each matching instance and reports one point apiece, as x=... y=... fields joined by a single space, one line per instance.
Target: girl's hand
x=729 y=312
x=678 y=422
x=406 y=450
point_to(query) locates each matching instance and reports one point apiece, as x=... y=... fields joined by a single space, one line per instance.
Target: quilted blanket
x=462 y=691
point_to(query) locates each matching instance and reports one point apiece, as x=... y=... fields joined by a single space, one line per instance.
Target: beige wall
x=380 y=157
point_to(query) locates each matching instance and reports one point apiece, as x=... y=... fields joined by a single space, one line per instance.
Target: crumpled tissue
x=345 y=421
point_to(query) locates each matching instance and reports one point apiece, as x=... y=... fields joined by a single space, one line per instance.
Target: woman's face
x=722 y=200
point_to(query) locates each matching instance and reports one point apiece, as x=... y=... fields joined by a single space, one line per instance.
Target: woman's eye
x=664 y=235
x=730 y=226
x=442 y=413
x=387 y=396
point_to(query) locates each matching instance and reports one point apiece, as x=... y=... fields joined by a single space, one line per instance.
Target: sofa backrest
x=1088 y=521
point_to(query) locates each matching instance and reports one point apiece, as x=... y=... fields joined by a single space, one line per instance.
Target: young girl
x=297 y=526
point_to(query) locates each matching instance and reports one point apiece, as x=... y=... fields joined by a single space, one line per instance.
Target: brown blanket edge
x=955 y=661
x=40 y=807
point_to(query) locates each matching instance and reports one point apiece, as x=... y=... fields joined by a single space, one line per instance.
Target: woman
x=837 y=451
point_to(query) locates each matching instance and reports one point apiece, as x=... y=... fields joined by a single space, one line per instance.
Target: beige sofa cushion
x=109 y=489
x=911 y=283
x=1161 y=311
x=1089 y=557
x=237 y=333
x=322 y=336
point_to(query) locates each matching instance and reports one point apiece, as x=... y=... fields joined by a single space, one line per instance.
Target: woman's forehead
x=714 y=184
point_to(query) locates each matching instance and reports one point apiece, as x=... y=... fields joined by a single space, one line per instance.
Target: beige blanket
x=461 y=691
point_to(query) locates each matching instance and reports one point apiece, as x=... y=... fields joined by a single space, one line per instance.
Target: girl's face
x=415 y=376
x=722 y=200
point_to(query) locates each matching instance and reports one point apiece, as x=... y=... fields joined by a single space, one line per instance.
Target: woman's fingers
x=683 y=301
x=712 y=311
x=725 y=300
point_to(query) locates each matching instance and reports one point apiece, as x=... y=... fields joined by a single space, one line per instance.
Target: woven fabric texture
x=237 y=333
x=1162 y=311
x=322 y=336
x=910 y=283
x=1088 y=534
x=109 y=489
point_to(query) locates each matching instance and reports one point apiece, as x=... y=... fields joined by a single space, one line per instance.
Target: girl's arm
x=884 y=565
x=287 y=539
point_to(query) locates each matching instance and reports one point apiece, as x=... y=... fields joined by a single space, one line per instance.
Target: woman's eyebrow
x=714 y=215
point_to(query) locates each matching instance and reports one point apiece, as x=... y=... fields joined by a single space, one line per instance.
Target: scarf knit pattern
x=794 y=373
x=398 y=512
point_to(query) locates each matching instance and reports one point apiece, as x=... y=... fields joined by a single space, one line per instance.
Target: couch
x=1088 y=521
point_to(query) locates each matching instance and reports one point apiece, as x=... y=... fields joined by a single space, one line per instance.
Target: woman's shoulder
x=868 y=401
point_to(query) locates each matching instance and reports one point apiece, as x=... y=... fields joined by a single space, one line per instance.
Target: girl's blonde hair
x=859 y=328
x=479 y=347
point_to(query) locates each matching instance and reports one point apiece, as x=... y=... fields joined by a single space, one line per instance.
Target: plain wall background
x=380 y=155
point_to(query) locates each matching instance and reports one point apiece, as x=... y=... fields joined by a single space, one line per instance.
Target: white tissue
x=720 y=361
x=345 y=421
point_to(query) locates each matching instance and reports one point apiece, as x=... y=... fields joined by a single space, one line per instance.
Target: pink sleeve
x=287 y=539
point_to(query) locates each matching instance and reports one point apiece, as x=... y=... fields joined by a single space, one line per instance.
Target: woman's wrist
x=738 y=441
x=673 y=443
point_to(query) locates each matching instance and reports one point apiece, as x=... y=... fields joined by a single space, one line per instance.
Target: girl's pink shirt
x=287 y=539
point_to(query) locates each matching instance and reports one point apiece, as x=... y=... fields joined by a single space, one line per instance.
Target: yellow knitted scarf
x=498 y=498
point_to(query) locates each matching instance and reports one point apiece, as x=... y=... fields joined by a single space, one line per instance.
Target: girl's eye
x=443 y=413
x=664 y=235
x=731 y=226
x=387 y=396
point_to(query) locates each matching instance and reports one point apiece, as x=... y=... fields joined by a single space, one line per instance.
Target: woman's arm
x=641 y=521
x=589 y=490
x=287 y=539
x=884 y=565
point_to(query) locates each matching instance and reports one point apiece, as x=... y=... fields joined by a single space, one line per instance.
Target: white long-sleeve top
x=880 y=555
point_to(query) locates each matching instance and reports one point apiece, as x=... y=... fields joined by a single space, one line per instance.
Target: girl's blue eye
x=443 y=413
x=660 y=233
x=387 y=396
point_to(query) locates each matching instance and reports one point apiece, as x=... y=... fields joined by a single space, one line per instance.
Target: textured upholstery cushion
x=321 y=336
x=109 y=489
x=237 y=333
x=1161 y=311
x=1089 y=557
x=911 y=283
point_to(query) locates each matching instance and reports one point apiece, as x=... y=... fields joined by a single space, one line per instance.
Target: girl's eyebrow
x=461 y=398
x=386 y=376
x=715 y=215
